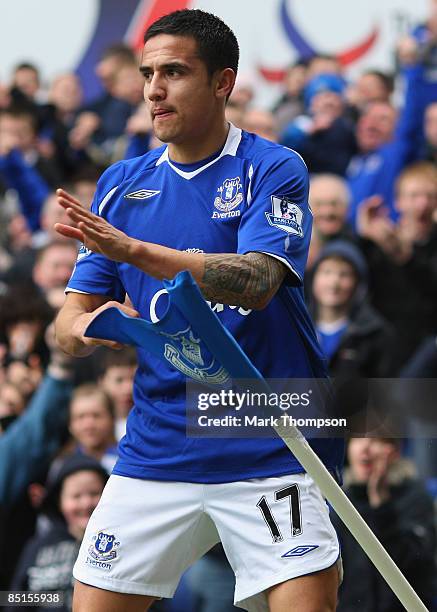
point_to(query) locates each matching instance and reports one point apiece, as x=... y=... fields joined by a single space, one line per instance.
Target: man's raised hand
x=93 y=231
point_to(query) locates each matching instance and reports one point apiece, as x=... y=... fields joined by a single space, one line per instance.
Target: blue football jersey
x=252 y=196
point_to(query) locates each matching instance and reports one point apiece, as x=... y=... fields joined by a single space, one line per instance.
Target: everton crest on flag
x=189 y=336
x=187 y=354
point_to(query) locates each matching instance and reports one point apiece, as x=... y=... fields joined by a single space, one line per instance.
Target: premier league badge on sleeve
x=286 y=216
x=83 y=252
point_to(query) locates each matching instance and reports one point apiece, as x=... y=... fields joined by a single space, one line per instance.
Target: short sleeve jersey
x=250 y=197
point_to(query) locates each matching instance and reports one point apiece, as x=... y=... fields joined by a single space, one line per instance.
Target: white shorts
x=145 y=533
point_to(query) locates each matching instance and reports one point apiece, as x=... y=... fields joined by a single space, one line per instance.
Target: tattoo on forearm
x=241 y=280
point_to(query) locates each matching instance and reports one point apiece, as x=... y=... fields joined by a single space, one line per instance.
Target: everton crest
x=230 y=195
x=103 y=547
x=185 y=353
x=286 y=216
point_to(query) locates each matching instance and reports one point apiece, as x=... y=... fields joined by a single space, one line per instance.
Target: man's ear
x=224 y=82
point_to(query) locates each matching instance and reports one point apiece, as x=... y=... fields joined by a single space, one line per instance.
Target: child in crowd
x=353 y=336
x=47 y=561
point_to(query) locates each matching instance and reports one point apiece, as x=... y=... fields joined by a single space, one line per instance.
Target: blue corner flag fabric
x=189 y=336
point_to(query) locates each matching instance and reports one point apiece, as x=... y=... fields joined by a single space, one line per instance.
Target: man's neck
x=77 y=532
x=201 y=147
x=332 y=314
x=97 y=452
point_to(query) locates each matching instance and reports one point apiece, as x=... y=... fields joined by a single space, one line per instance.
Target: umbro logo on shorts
x=141 y=194
x=300 y=551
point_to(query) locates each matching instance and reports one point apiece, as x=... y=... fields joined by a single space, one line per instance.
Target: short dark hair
x=386 y=79
x=63 y=244
x=86 y=171
x=24 y=302
x=90 y=389
x=26 y=66
x=216 y=42
x=22 y=111
x=126 y=357
x=120 y=51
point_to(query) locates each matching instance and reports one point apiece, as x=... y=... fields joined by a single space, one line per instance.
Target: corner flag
x=190 y=329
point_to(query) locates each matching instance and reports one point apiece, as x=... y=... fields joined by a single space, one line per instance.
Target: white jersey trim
x=232 y=143
x=70 y=290
x=285 y=262
x=298 y=154
x=249 y=189
x=106 y=199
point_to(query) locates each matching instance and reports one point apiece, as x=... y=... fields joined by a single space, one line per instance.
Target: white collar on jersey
x=231 y=145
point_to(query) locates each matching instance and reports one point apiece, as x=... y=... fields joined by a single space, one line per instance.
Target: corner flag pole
x=352 y=519
x=189 y=313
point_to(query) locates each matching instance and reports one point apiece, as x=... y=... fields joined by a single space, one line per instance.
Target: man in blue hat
x=323 y=136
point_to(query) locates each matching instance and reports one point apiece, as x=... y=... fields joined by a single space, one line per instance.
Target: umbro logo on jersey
x=141 y=194
x=300 y=551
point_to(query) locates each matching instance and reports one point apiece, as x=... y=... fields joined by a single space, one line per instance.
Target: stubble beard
x=166 y=133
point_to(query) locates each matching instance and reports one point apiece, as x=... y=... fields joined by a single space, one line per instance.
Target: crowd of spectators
x=371 y=288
